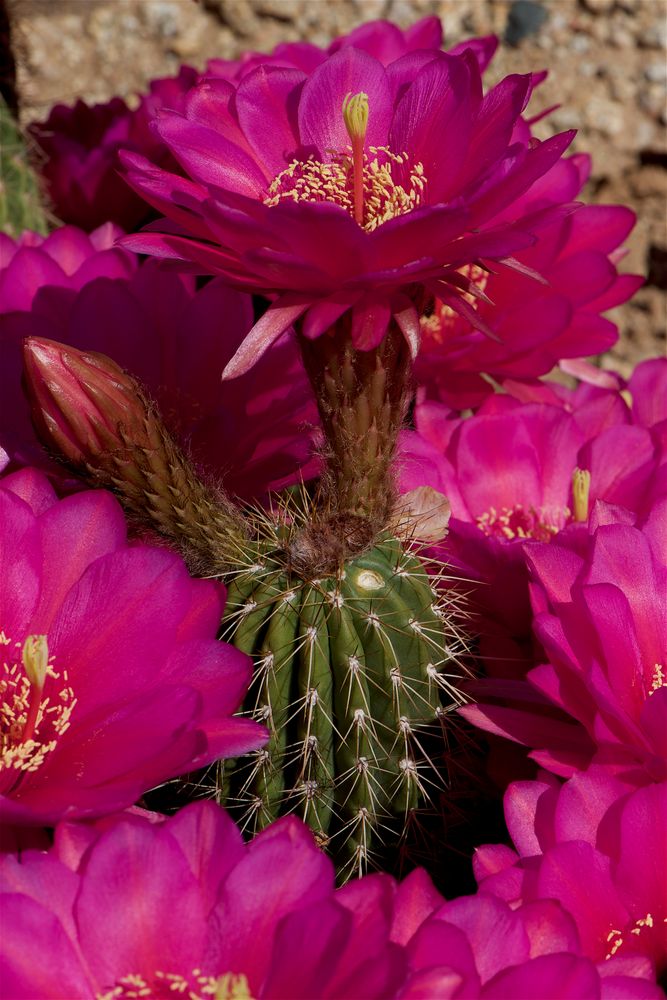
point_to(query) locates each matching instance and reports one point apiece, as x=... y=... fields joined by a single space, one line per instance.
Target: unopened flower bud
x=80 y=400
x=87 y=407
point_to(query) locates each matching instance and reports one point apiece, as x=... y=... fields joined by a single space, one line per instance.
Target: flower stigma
x=355 y=116
x=581 y=488
x=373 y=184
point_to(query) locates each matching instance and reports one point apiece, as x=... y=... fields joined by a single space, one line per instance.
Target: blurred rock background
x=607 y=62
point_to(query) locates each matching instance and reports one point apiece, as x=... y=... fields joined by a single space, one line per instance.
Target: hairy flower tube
x=111 y=678
x=287 y=197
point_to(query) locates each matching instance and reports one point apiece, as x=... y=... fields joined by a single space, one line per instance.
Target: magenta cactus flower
x=77 y=153
x=481 y=947
x=112 y=680
x=600 y=606
x=66 y=258
x=597 y=845
x=544 y=468
x=536 y=324
x=182 y=905
x=138 y=902
x=255 y=433
x=331 y=194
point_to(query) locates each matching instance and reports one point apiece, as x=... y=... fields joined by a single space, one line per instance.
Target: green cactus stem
x=20 y=200
x=350 y=670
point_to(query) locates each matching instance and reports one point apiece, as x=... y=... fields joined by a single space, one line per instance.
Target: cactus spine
x=348 y=670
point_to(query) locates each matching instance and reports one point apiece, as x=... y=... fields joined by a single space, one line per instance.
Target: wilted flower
x=356 y=189
x=112 y=680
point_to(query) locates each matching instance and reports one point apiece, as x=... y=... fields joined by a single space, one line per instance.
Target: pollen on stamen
x=33 y=713
x=658 y=680
x=510 y=523
x=390 y=187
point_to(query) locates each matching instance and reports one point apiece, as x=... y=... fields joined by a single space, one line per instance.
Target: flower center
x=373 y=187
x=510 y=523
x=229 y=986
x=35 y=707
x=538 y=523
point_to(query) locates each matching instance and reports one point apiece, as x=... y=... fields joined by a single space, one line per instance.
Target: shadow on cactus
x=356 y=657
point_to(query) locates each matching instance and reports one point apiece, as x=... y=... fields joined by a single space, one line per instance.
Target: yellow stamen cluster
x=658 y=680
x=519 y=522
x=229 y=986
x=24 y=669
x=443 y=321
x=384 y=198
x=615 y=937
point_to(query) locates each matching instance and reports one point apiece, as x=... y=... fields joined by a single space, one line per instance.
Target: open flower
x=356 y=189
x=601 y=604
x=597 y=845
x=136 y=906
x=381 y=39
x=112 y=680
x=253 y=433
x=66 y=258
x=516 y=473
x=481 y=947
x=536 y=324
